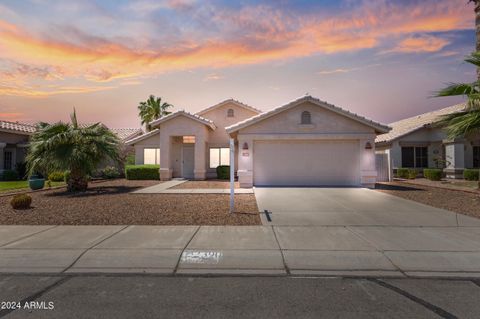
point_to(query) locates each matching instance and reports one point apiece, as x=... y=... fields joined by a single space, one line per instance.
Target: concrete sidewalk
x=249 y=250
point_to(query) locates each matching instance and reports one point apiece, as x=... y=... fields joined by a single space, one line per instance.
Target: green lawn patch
x=17 y=185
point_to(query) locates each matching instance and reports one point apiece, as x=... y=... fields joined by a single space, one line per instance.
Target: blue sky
x=382 y=59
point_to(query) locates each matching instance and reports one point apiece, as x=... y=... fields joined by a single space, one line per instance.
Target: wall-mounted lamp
x=368 y=146
x=245 y=146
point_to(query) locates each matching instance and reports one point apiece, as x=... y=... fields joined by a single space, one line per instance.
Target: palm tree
x=152 y=109
x=68 y=146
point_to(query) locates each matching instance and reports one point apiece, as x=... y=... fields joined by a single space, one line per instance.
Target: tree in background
x=152 y=109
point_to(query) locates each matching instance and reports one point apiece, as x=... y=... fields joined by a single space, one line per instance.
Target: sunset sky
x=382 y=59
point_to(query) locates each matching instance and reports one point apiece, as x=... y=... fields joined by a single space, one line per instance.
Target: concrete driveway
x=350 y=207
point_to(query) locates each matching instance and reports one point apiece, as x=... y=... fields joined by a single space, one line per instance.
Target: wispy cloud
x=220 y=37
x=213 y=77
x=420 y=44
x=346 y=70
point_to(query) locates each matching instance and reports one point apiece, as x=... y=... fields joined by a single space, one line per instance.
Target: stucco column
x=245 y=161
x=200 y=170
x=165 y=165
x=368 y=171
x=2 y=147
x=455 y=157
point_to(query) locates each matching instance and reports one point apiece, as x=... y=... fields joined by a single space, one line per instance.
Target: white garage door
x=297 y=163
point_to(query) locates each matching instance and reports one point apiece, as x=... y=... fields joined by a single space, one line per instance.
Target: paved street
x=246 y=297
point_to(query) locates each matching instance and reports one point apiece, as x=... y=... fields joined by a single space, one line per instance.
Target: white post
x=232 y=174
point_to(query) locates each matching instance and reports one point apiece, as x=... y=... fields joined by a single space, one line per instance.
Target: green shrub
x=10 y=175
x=223 y=172
x=110 y=172
x=66 y=176
x=471 y=174
x=142 y=172
x=130 y=160
x=21 y=201
x=407 y=173
x=433 y=174
x=56 y=176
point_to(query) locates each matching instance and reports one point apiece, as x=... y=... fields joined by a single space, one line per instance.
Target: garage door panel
x=306 y=163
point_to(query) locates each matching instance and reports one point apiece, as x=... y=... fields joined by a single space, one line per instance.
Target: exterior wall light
x=368 y=146
x=245 y=146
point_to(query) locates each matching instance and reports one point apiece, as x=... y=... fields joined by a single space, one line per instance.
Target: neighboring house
x=13 y=143
x=305 y=142
x=416 y=142
x=14 y=137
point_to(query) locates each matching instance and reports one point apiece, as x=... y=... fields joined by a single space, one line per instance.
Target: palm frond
x=454 y=89
x=461 y=123
x=473 y=58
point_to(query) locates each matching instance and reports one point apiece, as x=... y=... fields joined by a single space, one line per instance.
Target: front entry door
x=188 y=160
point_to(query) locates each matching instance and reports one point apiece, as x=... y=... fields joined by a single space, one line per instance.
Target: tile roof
x=237 y=126
x=142 y=137
x=17 y=127
x=411 y=124
x=251 y=108
x=195 y=117
x=126 y=133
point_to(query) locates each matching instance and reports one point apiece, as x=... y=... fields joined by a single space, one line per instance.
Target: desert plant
x=56 y=176
x=471 y=174
x=21 y=201
x=433 y=174
x=143 y=172
x=69 y=146
x=223 y=172
x=407 y=173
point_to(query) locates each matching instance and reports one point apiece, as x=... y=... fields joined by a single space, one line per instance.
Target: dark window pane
x=476 y=156
x=421 y=157
x=407 y=157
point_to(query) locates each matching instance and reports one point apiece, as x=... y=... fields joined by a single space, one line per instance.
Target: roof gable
x=379 y=128
x=229 y=101
x=142 y=137
x=191 y=116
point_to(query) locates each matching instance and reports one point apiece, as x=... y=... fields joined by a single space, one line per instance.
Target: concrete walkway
x=268 y=250
x=166 y=188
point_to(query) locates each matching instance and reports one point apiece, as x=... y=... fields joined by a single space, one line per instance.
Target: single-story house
x=13 y=143
x=305 y=142
x=14 y=137
x=416 y=142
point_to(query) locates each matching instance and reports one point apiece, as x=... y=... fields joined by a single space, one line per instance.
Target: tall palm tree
x=68 y=146
x=152 y=109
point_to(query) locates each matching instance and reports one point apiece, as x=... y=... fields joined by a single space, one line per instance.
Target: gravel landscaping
x=110 y=203
x=216 y=184
x=458 y=201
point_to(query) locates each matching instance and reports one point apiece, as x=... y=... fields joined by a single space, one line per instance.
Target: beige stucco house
x=305 y=142
x=416 y=142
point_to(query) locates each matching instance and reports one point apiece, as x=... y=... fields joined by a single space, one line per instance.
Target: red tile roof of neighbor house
x=27 y=129
x=411 y=124
x=22 y=128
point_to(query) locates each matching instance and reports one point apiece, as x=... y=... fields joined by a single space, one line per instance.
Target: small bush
x=21 y=201
x=56 y=176
x=407 y=173
x=223 y=172
x=143 y=172
x=433 y=174
x=130 y=160
x=66 y=176
x=10 y=175
x=471 y=174
x=110 y=172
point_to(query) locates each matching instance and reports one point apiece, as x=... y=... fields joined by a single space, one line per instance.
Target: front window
x=219 y=156
x=415 y=157
x=476 y=156
x=151 y=156
x=7 y=160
